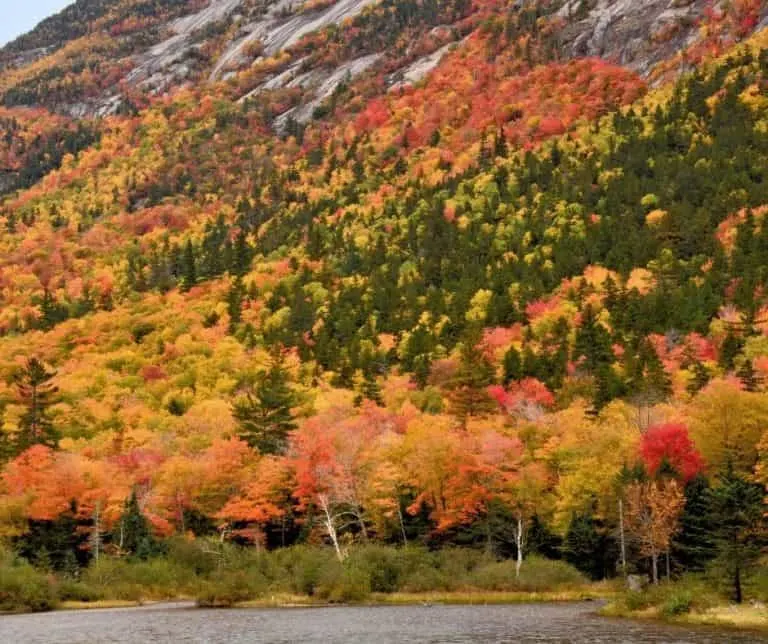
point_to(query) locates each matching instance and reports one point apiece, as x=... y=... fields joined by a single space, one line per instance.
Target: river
x=572 y=623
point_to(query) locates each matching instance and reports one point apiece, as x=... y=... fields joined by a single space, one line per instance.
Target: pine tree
x=748 y=376
x=370 y=389
x=37 y=393
x=592 y=342
x=729 y=350
x=235 y=303
x=188 y=268
x=693 y=547
x=469 y=389
x=513 y=366
x=134 y=532
x=242 y=255
x=265 y=411
x=701 y=377
x=738 y=526
x=588 y=547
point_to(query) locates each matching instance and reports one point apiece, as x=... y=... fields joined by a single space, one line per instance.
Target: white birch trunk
x=520 y=544
x=329 y=524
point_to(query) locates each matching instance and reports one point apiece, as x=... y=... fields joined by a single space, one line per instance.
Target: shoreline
x=737 y=618
x=744 y=617
x=468 y=598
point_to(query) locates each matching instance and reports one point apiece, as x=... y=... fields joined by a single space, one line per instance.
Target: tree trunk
x=402 y=524
x=621 y=539
x=519 y=544
x=668 y=567
x=329 y=526
x=96 y=534
x=655 y=567
x=737 y=585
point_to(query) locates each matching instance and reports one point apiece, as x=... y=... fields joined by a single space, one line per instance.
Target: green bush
x=22 y=588
x=384 y=566
x=135 y=580
x=539 y=575
x=677 y=603
x=230 y=587
x=70 y=590
x=536 y=575
x=192 y=555
x=299 y=569
x=344 y=583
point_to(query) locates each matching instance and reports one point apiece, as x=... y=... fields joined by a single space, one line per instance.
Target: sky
x=19 y=16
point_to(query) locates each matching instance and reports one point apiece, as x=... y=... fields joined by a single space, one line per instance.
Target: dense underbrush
x=222 y=575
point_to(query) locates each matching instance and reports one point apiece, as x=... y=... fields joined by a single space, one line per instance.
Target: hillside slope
x=281 y=257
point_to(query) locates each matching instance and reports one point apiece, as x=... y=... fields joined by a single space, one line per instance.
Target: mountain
x=264 y=257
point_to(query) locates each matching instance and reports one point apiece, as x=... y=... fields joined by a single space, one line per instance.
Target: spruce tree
x=592 y=342
x=265 y=411
x=699 y=379
x=693 y=547
x=370 y=389
x=188 y=267
x=469 y=388
x=738 y=525
x=729 y=350
x=587 y=546
x=748 y=376
x=513 y=366
x=134 y=534
x=235 y=303
x=37 y=393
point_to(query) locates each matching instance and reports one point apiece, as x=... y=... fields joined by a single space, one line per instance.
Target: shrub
x=22 y=588
x=678 y=603
x=299 y=569
x=539 y=575
x=384 y=566
x=231 y=587
x=70 y=590
x=135 y=580
x=536 y=575
x=346 y=583
x=192 y=556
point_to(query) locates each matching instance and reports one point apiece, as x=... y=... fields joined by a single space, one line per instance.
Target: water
x=571 y=623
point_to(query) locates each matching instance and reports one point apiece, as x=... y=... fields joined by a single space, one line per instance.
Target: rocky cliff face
x=135 y=48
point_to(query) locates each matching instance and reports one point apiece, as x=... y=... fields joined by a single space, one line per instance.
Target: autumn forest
x=510 y=311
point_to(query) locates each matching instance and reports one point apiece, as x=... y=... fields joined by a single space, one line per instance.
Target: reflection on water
x=571 y=623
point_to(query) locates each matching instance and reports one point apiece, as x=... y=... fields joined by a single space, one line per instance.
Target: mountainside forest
x=483 y=273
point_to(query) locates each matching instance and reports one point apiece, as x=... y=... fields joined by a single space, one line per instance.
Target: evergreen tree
x=748 y=376
x=593 y=342
x=513 y=366
x=701 y=377
x=37 y=393
x=469 y=388
x=693 y=547
x=738 y=526
x=188 y=267
x=265 y=412
x=588 y=547
x=134 y=532
x=729 y=350
x=235 y=303
x=370 y=389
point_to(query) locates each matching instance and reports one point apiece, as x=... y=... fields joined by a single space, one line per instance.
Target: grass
x=691 y=600
x=485 y=597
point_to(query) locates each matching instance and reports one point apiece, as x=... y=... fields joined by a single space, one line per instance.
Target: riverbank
x=690 y=601
x=463 y=598
x=743 y=617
